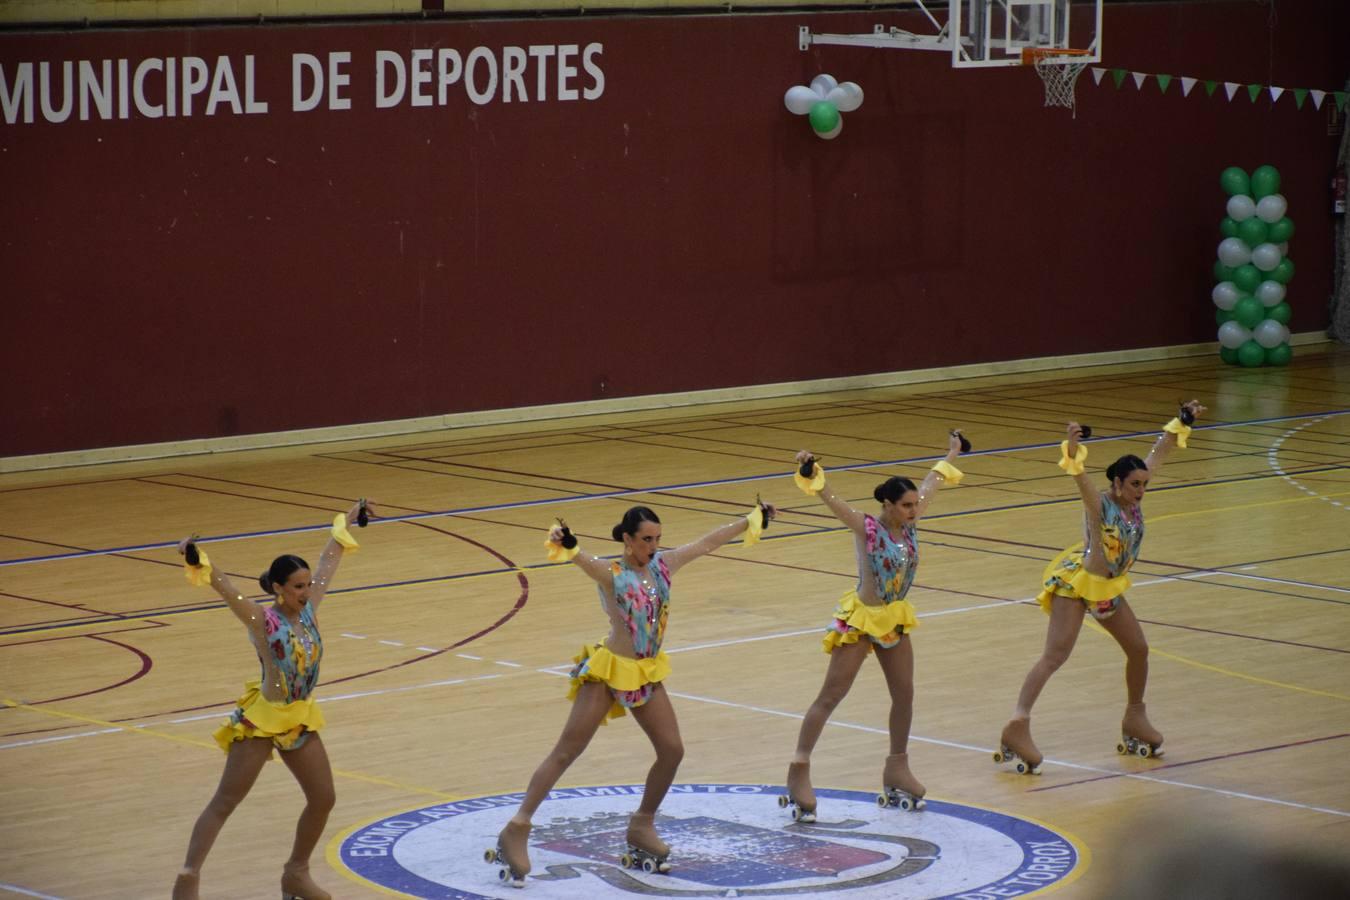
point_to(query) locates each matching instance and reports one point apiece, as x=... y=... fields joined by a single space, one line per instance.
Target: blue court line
x=693 y=485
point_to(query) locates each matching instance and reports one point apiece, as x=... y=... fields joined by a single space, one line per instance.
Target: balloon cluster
x=1253 y=269
x=823 y=102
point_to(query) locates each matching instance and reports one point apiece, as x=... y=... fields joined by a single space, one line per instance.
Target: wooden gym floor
x=447 y=634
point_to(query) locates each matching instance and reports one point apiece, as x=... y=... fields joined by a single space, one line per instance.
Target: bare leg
x=657 y=719
x=309 y=764
x=1124 y=627
x=242 y=765
x=845 y=662
x=897 y=664
x=1066 y=620
x=588 y=711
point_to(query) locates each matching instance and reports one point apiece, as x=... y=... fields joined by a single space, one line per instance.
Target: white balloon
x=1234 y=252
x=1272 y=208
x=833 y=132
x=853 y=95
x=1225 y=294
x=1284 y=329
x=1270 y=293
x=1232 y=335
x=1284 y=248
x=823 y=84
x=799 y=98
x=1241 y=207
x=1269 y=333
x=1266 y=257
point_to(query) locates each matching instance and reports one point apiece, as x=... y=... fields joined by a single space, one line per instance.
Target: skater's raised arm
x=943 y=472
x=1072 y=463
x=1174 y=435
x=559 y=537
x=201 y=571
x=806 y=462
x=339 y=541
x=687 y=553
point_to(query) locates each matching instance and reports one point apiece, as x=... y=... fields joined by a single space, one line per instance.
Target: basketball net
x=1059 y=72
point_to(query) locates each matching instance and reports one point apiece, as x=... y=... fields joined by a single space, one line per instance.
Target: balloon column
x=823 y=102
x=1253 y=270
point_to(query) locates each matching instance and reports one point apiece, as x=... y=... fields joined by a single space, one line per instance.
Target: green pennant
x=1118 y=76
x=1210 y=88
x=1341 y=97
x=1163 y=82
x=1253 y=90
x=1300 y=94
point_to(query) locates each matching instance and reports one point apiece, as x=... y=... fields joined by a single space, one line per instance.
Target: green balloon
x=1223 y=273
x=1251 y=354
x=1279 y=356
x=1280 y=312
x=1248 y=277
x=824 y=117
x=1284 y=272
x=1253 y=231
x=1234 y=180
x=1248 y=311
x=1222 y=315
x=1228 y=227
x=1229 y=355
x=1265 y=181
x=1281 y=231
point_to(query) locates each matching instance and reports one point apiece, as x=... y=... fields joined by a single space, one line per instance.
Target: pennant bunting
x=1097 y=73
x=1300 y=95
x=1231 y=87
x=1139 y=79
x=1275 y=93
x=1186 y=85
x=1318 y=97
x=1118 y=75
x=1341 y=97
x=1210 y=88
x=1163 y=82
x=1253 y=90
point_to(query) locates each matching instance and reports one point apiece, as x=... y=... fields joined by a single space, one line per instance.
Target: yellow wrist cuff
x=558 y=553
x=1072 y=466
x=754 y=527
x=949 y=471
x=199 y=576
x=1181 y=431
x=814 y=484
x=342 y=535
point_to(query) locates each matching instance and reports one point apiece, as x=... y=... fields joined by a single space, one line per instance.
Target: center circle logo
x=727 y=840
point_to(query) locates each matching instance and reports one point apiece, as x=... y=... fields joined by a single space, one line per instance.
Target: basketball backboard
x=982 y=33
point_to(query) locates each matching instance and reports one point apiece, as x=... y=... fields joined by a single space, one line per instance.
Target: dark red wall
x=196 y=277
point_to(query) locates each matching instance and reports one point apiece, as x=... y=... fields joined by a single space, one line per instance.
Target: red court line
x=1193 y=762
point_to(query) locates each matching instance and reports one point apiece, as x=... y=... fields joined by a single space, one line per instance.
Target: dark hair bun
x=265 y=581
x=878 y=493
x=617 y=531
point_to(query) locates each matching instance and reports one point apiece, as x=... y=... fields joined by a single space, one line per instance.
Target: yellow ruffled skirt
x=1066 y=577
x=630 y=681
x=258 y=717
x=884 y=624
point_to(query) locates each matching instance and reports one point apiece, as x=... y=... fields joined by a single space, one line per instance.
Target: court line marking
x=27 y=893
x=626 y=492
x=1273 y=460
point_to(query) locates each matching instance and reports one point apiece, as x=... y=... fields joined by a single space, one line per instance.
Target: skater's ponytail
x=282 y=568
x=1122 y=467
x=632 y=521
x=893 y=489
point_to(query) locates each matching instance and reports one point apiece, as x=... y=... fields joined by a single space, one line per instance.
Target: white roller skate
x=512 y=853
x=646 y=850
x=1016 y=744
x=800 y=796
x=1138 y=737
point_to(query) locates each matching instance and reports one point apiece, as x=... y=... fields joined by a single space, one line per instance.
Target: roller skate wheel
x=999 y=757
x=782 y=801
x=627 y=861
x=796 y=813
x=1144 y=751
x=920 y=803
x=489 y=856
x=1022 y=767
x=883 y=801
x=906 y=804
x=1122 y=749
x=649 y=866
x=503 y=875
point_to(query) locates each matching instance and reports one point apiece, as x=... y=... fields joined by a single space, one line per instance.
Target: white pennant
x=1097 y=73
x=1139 y=79
x=1318 y=97
x=1231 y=87
x=1186 y=85
x=1275 y=93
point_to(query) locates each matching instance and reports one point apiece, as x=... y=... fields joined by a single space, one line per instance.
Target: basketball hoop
x=1059 y=68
